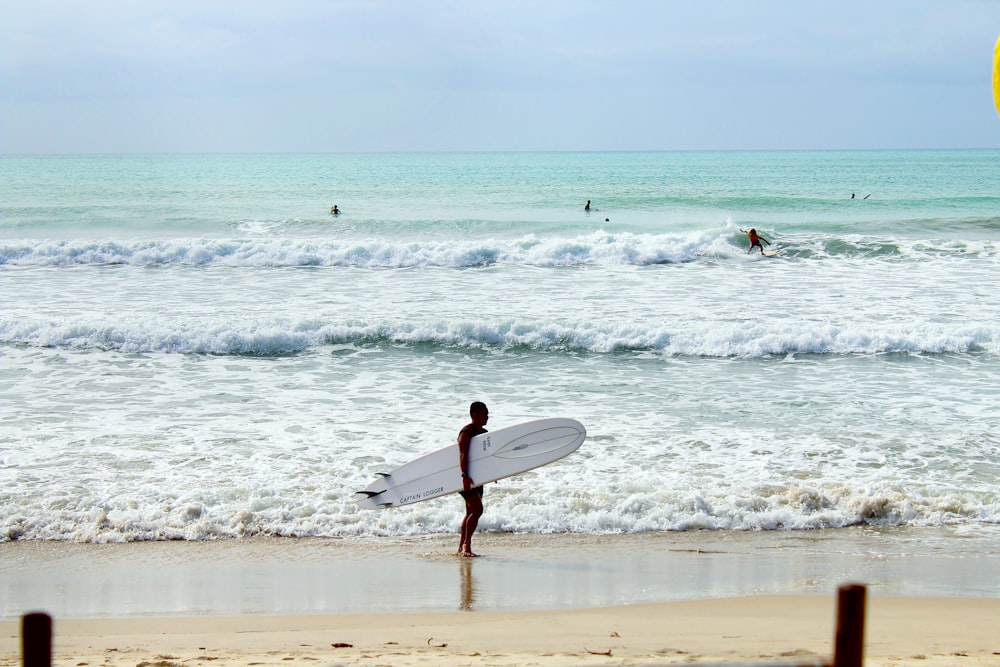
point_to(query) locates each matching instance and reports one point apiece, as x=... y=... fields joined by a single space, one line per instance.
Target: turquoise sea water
x=192 y=347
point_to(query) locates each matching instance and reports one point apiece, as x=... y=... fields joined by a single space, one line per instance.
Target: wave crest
x=599 y=247
x=701 y=340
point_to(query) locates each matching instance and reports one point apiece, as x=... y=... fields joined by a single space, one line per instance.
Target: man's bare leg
x=473 y=510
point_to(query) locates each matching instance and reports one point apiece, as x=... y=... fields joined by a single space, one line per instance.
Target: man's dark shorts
x=474 y=491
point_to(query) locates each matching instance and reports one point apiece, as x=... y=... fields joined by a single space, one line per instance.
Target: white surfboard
x=492 y=456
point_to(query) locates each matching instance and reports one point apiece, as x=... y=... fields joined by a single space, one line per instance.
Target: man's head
x=479 y=412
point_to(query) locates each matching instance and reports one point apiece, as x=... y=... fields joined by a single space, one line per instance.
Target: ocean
x=193 y=348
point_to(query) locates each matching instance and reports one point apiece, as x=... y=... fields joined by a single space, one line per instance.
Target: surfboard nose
x=567 y=437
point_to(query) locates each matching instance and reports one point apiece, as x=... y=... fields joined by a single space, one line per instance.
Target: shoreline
x=516 y=572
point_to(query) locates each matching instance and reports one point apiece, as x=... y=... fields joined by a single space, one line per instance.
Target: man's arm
x=464 y=440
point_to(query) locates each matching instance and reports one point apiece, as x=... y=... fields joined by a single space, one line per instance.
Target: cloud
x=512 y=74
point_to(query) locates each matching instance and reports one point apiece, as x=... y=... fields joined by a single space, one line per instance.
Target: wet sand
x=665 y=598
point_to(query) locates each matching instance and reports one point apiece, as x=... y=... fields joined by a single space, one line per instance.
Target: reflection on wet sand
x=468 y=585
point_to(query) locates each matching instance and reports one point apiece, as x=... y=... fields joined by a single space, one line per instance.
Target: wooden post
x=36 y=640
x=850 y=641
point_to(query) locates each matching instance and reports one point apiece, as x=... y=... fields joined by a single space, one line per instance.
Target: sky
x=151 y=76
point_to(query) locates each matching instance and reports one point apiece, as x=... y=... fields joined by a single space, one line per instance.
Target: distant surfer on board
x=755 y=240
x=587 y=207
x=473 y=494
x=334 y=210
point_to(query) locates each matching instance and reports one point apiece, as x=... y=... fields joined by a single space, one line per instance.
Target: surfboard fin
x=372 y=494
x=383 y=474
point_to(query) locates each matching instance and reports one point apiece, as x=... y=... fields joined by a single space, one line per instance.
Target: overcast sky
x=110 y=76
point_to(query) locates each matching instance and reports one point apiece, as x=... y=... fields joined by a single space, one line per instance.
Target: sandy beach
x=690 y=598
x=778 y=629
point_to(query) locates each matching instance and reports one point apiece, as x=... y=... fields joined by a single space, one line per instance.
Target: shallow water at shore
x=514 y=572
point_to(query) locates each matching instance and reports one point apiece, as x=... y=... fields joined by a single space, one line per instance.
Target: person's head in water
x=479 y=412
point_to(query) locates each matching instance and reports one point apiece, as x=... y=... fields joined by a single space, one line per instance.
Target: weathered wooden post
x=36 y=640
x=850 y=639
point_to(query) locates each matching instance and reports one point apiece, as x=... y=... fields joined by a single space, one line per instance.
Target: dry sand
x=794 y=629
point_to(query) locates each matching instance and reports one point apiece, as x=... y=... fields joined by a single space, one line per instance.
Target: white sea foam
x=278 y=338
x=289 y=502
x=102 y=446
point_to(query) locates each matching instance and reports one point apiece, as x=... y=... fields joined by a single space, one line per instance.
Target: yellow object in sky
x=996 y=75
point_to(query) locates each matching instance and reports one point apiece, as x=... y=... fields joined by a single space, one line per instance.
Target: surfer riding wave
x=755 y=240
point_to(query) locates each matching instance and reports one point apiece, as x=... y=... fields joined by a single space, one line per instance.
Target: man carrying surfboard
x=473 y=495
x=755 y=240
